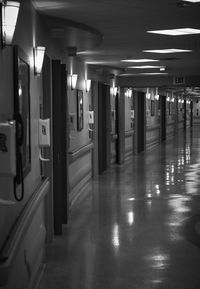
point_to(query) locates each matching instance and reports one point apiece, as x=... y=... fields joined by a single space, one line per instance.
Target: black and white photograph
x=99 y=144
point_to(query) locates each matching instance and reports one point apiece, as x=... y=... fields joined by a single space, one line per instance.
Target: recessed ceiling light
x=176 y=32
x=171 y=50
x=145 y=66
x=139 y=60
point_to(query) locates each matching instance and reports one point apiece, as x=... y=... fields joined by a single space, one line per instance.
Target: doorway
x=162 y=100
x=103 y=127
x=60 y=145
x=140 y=121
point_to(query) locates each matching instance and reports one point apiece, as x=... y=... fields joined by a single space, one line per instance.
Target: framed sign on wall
x=80 y=112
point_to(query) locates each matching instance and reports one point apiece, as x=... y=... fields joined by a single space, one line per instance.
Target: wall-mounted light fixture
x=73 y=81
x=156 y=95
x=113 y=90
x=181 y=100
x=172 y=99
x=148 y=94
x=128 y=93
x=9 y=11
x=87 y=85
x=38 y=52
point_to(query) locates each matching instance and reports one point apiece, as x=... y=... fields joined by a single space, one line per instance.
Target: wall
x=10 y=215
x=30 y=32
x=80 y=149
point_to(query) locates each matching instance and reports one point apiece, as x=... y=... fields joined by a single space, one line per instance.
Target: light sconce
x=9 y=10
x=181 y=100
x=148 y=94
x=168 y=99
x=73 y=81
x=128 y=93
x=157 y=95
x=87 y=85
x=113 y=90
x=38 y=52
x=172 y=99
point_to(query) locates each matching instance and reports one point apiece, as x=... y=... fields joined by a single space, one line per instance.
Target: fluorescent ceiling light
x=171 y=50
x=152 y=73
x=139 y=60
x=145 y=66
x=176 y=32
x=193 y=1
x=145 y=73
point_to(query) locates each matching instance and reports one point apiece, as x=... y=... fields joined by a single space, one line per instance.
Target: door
x=140 y=121
x=60 y=145
x=103 y=127
x=47 y=152
x=162 y=100
x=191 y=113
x=120 y=127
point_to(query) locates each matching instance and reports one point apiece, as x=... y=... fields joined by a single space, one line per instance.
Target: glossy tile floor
x=138 y=227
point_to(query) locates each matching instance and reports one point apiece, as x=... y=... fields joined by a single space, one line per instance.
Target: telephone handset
x=19 y=129
x=19 y=178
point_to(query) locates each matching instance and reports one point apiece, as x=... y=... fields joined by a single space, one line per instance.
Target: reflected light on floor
x=131 y=199
x=158 y=260
x=115 y=236
x=130 y=217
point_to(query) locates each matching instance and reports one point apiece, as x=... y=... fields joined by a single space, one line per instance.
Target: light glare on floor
x=145 y=66
x=171 y=50
x=139 y=60
x=176 y=32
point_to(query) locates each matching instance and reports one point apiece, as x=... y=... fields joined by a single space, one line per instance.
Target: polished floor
x=137 y=227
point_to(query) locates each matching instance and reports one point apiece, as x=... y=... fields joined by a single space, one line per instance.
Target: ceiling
x=122 y=25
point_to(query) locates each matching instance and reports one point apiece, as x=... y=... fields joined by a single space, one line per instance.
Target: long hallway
x=137 y=227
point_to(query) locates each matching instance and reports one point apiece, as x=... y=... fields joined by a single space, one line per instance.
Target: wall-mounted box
x=91 y=117
x=132 y=114
x=44 y=132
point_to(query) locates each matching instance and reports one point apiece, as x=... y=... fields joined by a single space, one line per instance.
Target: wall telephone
x=11 y=139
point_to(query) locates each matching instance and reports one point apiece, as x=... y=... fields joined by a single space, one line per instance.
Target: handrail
x=12 y=243
x=129 y=133
x=75 y=154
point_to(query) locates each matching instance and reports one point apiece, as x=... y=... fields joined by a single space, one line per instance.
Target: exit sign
x=178 y=80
